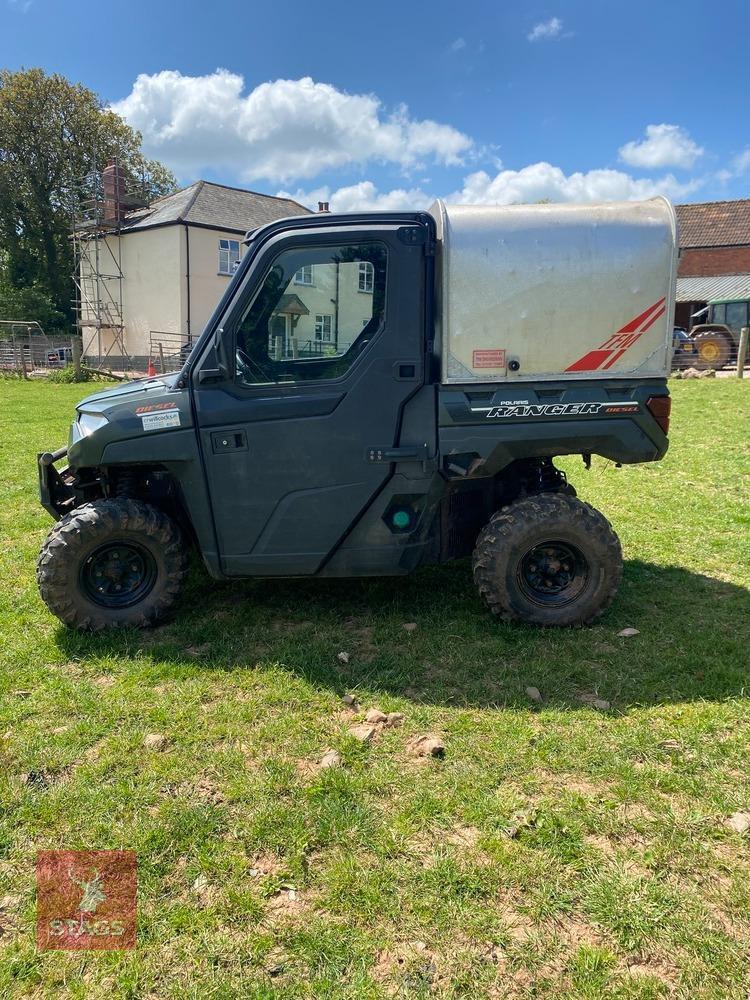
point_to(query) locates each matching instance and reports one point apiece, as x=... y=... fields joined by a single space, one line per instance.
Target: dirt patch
x=94 y=752
x=408 y=966
x=264 y=864
x=590 y=788
x=9 y=906
x=203 y=789
x=518 y=926
x=660 y=969
x=286 y=906
x=463 y=838
x=634 y=812
x=573 y=931
x=363 y=645
x=601 y=843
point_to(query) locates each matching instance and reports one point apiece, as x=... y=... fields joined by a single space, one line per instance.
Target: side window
x=306 y=321
x=229 y=256
x=736 y=315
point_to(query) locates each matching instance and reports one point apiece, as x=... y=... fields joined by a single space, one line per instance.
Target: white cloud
x=281 y=130
x=741 y=163
x=457 y=45
x=546 y=30
x=533 y=183
x=663 y=146
x=363 y=197
x=540 y=181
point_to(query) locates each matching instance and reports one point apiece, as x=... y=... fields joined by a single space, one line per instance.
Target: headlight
x=90 y=422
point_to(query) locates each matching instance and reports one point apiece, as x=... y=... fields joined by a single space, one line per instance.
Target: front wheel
x=713 y=349
x=112 y=563
x=548 y=560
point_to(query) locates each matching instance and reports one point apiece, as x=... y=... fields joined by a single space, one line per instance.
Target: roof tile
x=714 y=224
x=207 y=204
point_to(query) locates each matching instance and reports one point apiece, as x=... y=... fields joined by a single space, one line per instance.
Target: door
x=293 y=439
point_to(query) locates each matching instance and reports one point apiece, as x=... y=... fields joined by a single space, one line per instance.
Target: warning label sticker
x=159 y=421
x=488 y=359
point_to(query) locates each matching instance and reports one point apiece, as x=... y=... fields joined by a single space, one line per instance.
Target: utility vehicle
x=717 y=338
x=375 y=393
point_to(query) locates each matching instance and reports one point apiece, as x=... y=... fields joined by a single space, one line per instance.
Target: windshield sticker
x=159 y=421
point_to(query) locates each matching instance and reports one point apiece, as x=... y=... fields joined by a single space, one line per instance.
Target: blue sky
x=389 y=104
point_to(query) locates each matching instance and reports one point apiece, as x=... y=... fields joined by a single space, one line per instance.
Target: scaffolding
x=102 y=201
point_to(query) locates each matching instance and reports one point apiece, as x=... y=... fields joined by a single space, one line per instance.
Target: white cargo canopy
x=556 y=291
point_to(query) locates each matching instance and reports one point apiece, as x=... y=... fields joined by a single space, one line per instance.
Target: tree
x=53 y=134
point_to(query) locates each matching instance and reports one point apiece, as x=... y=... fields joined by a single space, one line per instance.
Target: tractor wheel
x=713 y=349
x=548 y=560
x=111 y=564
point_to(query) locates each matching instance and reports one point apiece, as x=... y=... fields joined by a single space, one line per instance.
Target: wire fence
x=26 y=350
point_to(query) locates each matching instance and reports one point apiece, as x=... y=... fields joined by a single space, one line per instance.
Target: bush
x=68 y=374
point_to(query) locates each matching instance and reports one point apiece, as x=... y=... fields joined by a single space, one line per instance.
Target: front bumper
x=55 y=488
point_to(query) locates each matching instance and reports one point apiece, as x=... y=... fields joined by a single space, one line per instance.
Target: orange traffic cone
x=151 y=370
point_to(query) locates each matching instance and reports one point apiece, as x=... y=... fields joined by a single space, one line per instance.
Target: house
x=714 y=259
x=149 y=276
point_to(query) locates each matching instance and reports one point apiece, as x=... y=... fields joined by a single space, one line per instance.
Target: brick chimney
x=113 y=183
x=323 y=206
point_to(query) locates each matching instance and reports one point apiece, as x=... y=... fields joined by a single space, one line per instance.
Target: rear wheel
x=549 y=560
x=111 y=564
x=713 y=349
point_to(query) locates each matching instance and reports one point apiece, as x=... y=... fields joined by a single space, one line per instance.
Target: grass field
x=556 y=851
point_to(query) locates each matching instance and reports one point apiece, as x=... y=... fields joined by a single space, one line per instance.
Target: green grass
x=621 y=880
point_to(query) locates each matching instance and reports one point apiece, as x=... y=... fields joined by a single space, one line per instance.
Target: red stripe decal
x=616 y=345
x=614 y=358
x=633 y=325
x=589 y=362
x=654 y=319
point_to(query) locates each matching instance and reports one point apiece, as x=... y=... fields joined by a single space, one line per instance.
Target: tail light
x=660 y=407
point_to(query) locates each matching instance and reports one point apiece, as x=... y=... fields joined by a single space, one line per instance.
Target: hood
x=147 y=408
x=98 y=402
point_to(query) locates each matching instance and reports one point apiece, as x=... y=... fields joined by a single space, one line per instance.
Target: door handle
x=223 y=441
x=408 y=453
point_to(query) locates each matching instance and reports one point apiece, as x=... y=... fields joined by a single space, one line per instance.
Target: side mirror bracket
x=218 y=357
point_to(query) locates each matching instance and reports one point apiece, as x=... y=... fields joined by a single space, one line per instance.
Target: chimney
x=323 y=206
x=113 y=184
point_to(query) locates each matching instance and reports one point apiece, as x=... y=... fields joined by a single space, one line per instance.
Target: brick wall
x=710 y=261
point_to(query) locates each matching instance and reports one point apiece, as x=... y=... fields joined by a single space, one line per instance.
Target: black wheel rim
x=553 y=574
x=118 y=574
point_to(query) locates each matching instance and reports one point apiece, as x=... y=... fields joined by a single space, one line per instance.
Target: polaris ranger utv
x=375 y=393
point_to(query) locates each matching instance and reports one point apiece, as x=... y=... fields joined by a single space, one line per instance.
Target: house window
x=229 y=256
x=304 y=275
x=324 y=328
x=366 y=276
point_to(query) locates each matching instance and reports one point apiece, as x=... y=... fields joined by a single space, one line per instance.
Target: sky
x=388 y=104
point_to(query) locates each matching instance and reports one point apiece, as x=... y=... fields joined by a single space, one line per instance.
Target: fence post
x=75 y=352
x=742 y=351
x=161 y=358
